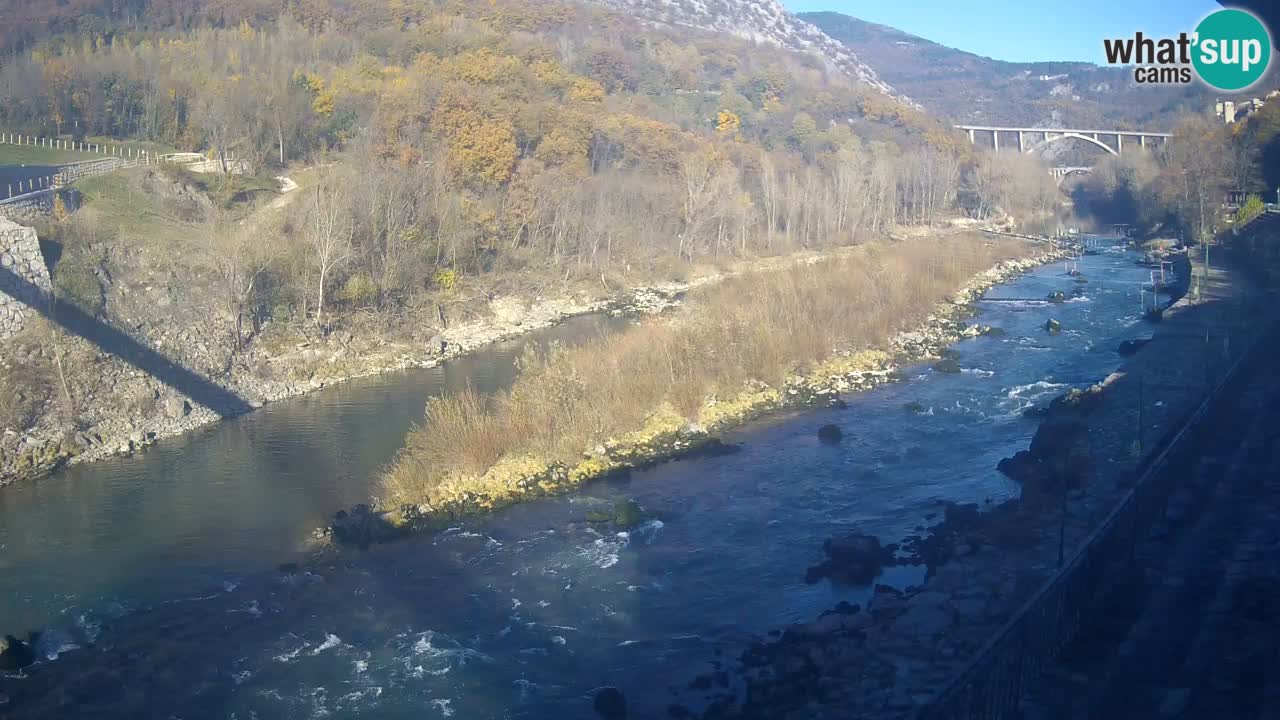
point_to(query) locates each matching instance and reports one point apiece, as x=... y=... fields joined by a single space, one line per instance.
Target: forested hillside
x=515 y=132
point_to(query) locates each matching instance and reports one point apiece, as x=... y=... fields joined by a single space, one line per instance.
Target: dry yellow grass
x=743 y=336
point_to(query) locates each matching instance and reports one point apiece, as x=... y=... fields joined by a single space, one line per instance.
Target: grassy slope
x=35 y=155
x=32 y=155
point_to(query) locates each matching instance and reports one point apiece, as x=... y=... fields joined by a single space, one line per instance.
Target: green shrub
x=1252 y=208
x=359 y=290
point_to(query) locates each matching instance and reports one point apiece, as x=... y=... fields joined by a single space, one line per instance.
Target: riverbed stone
x=830 y=434
x=947 y=365
x=610 y=703
x=852 y=559
x=15 y=654
x=627 y=513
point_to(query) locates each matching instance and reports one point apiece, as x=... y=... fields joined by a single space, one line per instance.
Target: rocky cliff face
x=24 y=278
x=764 y=21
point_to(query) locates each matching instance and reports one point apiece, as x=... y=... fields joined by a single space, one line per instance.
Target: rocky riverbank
x=888 y=659
x=121 y=410
x=668 y=434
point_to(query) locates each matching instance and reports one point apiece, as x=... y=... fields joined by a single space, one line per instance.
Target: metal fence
x=991 y=685
x=109 y=149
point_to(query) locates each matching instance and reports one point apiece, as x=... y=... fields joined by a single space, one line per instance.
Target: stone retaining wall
x=25 y=278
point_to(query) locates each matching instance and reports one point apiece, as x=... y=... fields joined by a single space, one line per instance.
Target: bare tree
x=1198 y=156
x=241 y=256
x=330 y=231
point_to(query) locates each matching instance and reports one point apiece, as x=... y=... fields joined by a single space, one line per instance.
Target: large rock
x=362 y=527
x=830 y=434
x=627 y=513
x=176 y=408
x=1059 y=454
x=15 y=654
x=610 y=703
x=852 y=559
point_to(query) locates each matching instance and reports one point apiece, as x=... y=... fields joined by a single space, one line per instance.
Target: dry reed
x=752 y=328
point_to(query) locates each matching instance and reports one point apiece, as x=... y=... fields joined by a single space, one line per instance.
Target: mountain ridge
x=969 y=88
x=761 y=21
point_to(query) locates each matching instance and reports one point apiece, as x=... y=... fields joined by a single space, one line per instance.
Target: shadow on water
x=115 y=342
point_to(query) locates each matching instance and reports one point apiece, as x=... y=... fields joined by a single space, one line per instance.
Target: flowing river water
x=155 y=577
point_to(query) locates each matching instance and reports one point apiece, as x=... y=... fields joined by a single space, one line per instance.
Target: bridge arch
x=1077 y=136
x=1060 y=175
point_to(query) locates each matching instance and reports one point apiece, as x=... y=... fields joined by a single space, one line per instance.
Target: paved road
x=12 y=174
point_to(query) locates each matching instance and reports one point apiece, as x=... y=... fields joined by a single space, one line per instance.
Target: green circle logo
x=1232 y=49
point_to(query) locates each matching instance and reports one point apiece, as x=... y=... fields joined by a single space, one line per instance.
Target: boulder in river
x=830 y=434
x=853 y=559
x=915 y=407
x=947 y=365
x=1053 y=327
x=16 y=654
x=627 y=513
x=1056 y=296
x=362 y=526
x=610 y=703
x=993 y=332
x=1056 y=461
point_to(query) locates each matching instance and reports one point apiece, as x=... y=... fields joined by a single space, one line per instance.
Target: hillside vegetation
x=449 y=155
x=461 y=139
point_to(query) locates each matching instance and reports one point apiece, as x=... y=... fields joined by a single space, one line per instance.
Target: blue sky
x=1018 y=30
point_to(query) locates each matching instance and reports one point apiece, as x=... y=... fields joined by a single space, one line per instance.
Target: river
x=156 y=575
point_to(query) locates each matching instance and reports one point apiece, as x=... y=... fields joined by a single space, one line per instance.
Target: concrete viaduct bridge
x=1033 y=140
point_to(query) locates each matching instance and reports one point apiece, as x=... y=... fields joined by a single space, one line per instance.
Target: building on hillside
x=1230 y=111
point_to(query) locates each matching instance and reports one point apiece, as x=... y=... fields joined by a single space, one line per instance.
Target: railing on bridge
x=991 y=685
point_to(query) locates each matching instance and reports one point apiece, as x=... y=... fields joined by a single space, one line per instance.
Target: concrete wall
x=20 y=256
